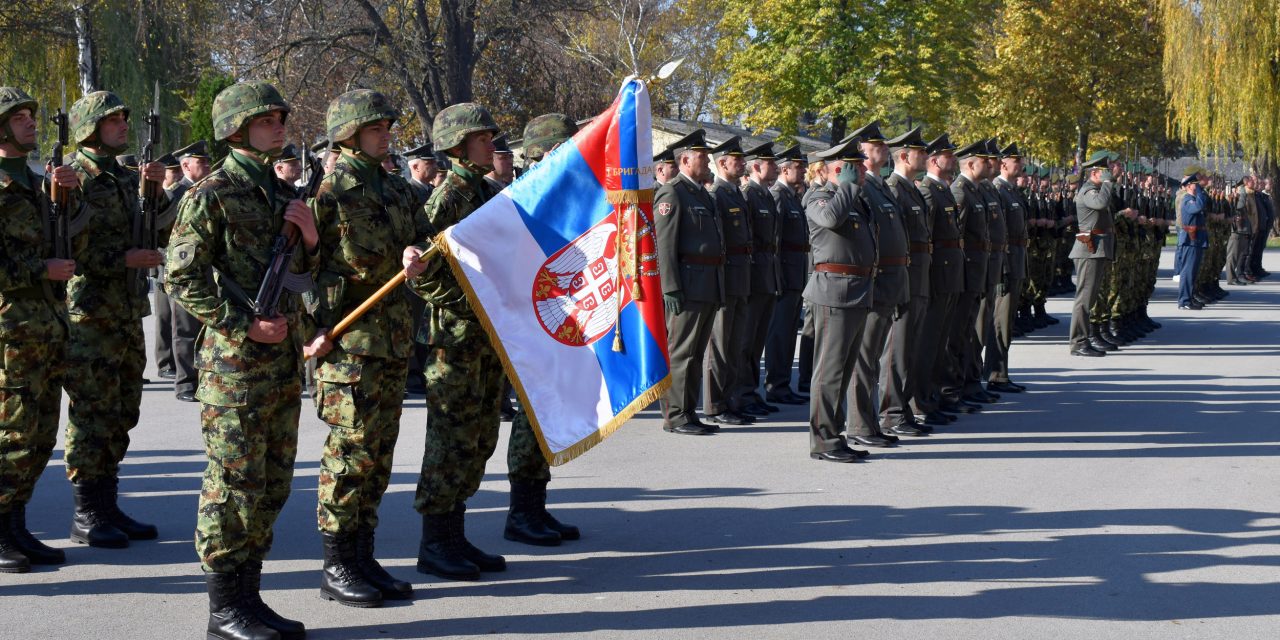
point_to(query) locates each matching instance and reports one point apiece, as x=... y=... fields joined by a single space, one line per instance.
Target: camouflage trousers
x=250 y=426
x=105 y=359
x=360 y=398
x=30 y=401
x=525 y=462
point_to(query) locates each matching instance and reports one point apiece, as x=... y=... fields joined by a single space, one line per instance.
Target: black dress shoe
x=167 y=373
x=185 y=396
x=959 y=407
x=925 y=428
x=1086 y=350
x=754 y=410
x=908 y=430
x=688 y=430
x=789 y=398
x=872 y=441
x=838 y=455
x=1102 y=345
x=728 y=417
x=981 y=397
x=1003 y=387
x=937 y=418
x=769 y=408
x=802 y=387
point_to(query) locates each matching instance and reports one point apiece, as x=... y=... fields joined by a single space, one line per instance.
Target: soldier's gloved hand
x=413 y=267
x=268 y=330
x=1106 y=175
x=59 y=269
x=674 y=302
x=143 y=258
x=319 y=345
x=298 y=213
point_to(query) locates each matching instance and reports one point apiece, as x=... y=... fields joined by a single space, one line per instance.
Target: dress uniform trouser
x=934 y=361
x=755 y=334
x=687 y=335
x=866 y=372
x=164 y=328
x=1090 y=273
x=105 y=360
x=724 y=365
x=903 y=377
x=1238 y=248
x=804 y=360
x=997 y=365
x=1192 y=257
x=984 y=323
x=961 y=343
x=837 y=335
x=780 y=348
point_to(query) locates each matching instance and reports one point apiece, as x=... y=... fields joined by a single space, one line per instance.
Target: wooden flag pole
x=381 y=293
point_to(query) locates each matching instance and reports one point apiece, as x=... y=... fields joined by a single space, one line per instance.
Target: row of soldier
x=71 y=322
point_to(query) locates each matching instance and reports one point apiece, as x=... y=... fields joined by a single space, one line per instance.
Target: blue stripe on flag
x=627 y=138
x=559 y=199
x=635 y=371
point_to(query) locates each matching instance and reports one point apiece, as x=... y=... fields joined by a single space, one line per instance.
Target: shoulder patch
x=182 y=254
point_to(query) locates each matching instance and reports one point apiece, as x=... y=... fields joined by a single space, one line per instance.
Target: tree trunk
x=839 y=124
x=87 y=60
x=459 y=31
x=1082 y=144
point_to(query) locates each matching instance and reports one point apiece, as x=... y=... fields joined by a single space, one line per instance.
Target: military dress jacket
x=971 y=208
x=738 y=249
x=690 y=241
x=793 y=237
x=218 y=254
x=100 y=288
x=1094 y=216
x=917 y=219
x=1191 y=212
x=892 y=287
x=363 y=233
x=997 y=233
x=843 y=242
x=763 y=212
x=946 y=273
x=32 y=308
x=1016 y=213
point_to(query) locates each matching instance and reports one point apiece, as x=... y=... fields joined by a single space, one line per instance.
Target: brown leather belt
x=1018 y=242
x=898 y=261
x=1097 y=232
x=921 y=247
x=843 y=269
x=744 y=250
x=795 y=248
x=704 y=260
x=948 y=244
x=767 y=248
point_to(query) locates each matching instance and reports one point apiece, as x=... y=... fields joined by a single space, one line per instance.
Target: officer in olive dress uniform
x=762 y=171
x=971 y=217
x=793 y=259
x=1093 y=251
x=843 y=247
x=725 y=358
x=1009 y=291
x=997 y=248
x=946 y=283
x=691 y=261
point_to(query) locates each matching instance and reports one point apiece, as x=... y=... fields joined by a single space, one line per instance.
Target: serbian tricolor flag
x=561 y=270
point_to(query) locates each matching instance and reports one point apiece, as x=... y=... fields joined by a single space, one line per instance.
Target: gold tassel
x=619 y=245
x=636 y=293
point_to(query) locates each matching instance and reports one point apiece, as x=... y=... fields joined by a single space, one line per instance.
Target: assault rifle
x=59 y=198
x=278 y=278
x=145 y=231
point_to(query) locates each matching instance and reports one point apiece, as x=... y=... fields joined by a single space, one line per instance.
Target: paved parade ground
x=1132 y=496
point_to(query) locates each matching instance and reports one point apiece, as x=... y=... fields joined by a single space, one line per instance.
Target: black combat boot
x=250 y=575
x=91 y=522
x=566 y=531
x=373 y=572
x=1097 y=340
x=1152 y=323
x=35 y=551
x=229 y=617
x=342 y=580
x=440 y=553
x=12 y=560
x=1043 y=316
x=1114 y=333
x=1024 y=321
x=132 y=528
x=487 y=562
x=524 y=520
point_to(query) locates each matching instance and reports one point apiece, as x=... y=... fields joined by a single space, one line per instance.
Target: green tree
x=200 y=108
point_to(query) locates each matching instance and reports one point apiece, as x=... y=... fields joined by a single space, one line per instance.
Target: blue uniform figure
x=1193 y=238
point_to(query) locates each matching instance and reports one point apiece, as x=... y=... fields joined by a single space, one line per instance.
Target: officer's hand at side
x=300 y=215
x=153 y=171
x=66 y=177
x=319 y=345
x=268 y=330
x=143 y=258
x=674 y=302
x=413 y=267
x=59 y=269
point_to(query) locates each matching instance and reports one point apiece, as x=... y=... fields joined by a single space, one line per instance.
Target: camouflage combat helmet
x=453 y=123
x=545 y=132
x=236 y=104
x=354 y=109
x=11 y=100
x=89 y=110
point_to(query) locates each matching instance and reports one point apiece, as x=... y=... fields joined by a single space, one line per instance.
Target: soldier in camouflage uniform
x=250 y=366
x=528 y=520
x=464 y=374
x=106 y=353
x=33 y=329
x=367 y=218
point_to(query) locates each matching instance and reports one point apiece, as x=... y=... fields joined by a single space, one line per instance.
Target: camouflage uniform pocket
x=12 y=394
x=336 y=384
x=221 y=390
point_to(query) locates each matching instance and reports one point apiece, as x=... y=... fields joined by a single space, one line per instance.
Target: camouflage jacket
x=31 y=307
x=362 y=236
x=228 y=222
x=452 y=321
x=100 y=288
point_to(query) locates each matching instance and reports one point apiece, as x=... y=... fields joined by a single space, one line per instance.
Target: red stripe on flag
x=592 y=142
